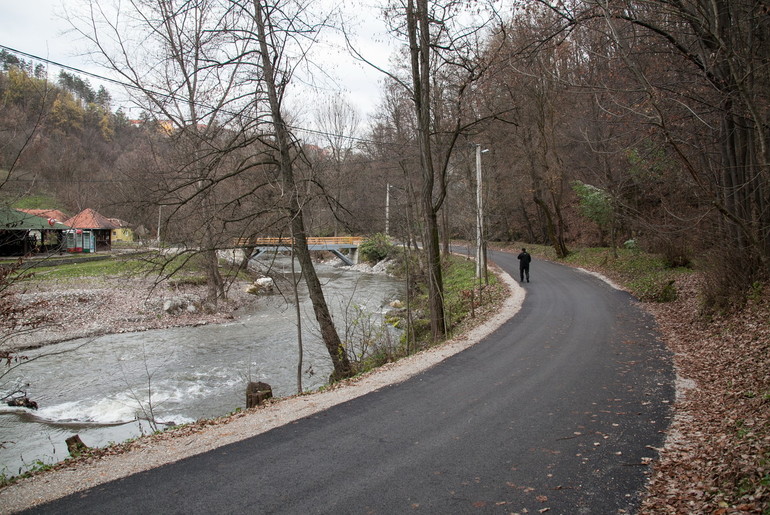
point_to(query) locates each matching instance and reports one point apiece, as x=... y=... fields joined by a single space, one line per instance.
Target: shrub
x=376 y=248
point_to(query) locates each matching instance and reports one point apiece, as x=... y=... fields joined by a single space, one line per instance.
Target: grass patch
x=464 y=299
x=36 y=202
x=647 y=276
x=462 y=293
x=110 y=267
x=182 y=270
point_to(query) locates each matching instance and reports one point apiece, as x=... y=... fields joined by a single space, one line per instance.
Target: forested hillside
x=61 y=141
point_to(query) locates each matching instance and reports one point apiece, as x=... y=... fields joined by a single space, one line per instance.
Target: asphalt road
x=559 y=410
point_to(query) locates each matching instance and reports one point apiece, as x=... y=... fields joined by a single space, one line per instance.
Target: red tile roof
x=90 y=219
x=47 y=213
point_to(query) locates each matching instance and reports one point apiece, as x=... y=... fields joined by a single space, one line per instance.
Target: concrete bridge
x=335 y=245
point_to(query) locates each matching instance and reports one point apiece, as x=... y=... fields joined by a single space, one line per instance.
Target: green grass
x=463 y=298
x=181 y=270
x=36 y=202
x=111 y=267
x=646 y=275
x=32 y=469
x=461 y=288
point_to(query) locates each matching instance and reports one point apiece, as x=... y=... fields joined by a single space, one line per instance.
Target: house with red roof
x=22 y=233
x=90 y=232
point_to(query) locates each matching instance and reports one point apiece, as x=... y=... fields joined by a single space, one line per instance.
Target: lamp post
x=387 y=208
x=481 y=255
x=160 y=210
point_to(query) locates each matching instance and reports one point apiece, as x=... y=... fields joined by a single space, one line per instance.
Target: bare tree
x=277 y=26
x=696 y=84
x=338 y=122
x=446 y=57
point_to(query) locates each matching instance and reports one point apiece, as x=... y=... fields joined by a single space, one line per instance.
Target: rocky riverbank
x=86 y=307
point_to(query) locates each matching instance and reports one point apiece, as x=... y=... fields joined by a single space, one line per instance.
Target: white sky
x=38 y=28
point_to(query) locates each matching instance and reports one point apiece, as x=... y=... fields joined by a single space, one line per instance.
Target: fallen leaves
x=717 y=454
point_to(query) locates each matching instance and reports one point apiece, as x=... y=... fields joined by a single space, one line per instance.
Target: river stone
x=261 y=285
x=180 y=304
x=22 y=402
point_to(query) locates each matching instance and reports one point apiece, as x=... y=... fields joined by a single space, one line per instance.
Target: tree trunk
x=419 y=48
x=331 y=339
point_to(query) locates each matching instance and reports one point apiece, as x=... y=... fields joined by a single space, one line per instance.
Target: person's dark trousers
x=524 y=271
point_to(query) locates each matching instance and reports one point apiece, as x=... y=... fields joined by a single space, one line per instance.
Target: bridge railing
x=277 y=242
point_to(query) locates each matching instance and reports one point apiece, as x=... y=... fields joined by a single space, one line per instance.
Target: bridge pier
x=350 y=259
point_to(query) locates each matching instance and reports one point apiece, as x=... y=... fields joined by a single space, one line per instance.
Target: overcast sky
x=37 y=27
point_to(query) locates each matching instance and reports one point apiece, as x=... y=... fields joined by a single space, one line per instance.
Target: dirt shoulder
x=717 y=453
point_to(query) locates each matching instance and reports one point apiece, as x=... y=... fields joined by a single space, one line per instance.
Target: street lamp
x=160 y=210
x=387 y=209
x=481 y=256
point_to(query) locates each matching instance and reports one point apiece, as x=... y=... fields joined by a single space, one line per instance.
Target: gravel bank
x=93 y=307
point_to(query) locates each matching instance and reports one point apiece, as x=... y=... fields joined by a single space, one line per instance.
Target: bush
x=729 y=282
x=375 y=249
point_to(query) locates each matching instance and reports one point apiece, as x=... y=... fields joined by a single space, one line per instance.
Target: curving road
x=559 y=410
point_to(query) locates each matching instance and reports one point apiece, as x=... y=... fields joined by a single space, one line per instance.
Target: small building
x=22 y=233
x=122 y=231
x=94 y=227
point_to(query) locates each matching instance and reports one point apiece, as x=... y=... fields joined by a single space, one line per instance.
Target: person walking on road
x=524 y=260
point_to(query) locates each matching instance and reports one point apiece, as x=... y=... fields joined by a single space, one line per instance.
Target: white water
x=105 y=389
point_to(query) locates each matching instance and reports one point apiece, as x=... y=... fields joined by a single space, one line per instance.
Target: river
x=106 y=389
